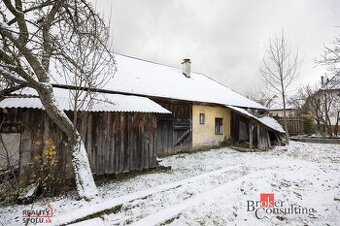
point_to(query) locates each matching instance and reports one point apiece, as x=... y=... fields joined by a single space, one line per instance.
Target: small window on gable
x=218 y=126
x=202 y=118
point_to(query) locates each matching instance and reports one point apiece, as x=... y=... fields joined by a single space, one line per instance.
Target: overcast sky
x=225 y=39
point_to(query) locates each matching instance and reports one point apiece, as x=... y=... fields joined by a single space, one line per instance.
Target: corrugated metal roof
x=137 y=76
x=265 y=120
x=101 y=102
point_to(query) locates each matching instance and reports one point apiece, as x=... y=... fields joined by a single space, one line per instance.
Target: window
x=202 y=118
x=218 y=126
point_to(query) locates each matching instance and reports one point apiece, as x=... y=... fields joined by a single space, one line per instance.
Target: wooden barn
x=119 y=132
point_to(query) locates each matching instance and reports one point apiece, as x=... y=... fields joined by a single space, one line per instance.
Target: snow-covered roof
x=265 y=120
x=272 y=123
x=142 y=77
x=100 y=102
x=243 y=112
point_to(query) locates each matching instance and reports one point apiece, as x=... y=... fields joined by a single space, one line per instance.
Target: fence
x=295 y=125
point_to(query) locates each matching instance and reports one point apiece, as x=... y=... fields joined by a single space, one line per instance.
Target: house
x=325 y=104
x=199 y=105
x=152 y=110
x=278 y=112
x=331 y=90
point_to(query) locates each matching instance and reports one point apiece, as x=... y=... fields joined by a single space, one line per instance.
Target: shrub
x=309 y=127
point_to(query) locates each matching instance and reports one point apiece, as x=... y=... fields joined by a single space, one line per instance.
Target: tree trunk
x=337 y=124
x=8 y=161
x=285 y=122
x=284 y=109
x=86 y=186
x=318 y=125
x=329 y=129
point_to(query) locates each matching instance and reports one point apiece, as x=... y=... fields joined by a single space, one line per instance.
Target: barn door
x=182 y=135
x=164 y=136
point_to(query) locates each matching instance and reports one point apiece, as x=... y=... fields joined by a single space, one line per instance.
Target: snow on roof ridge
x=142 y=77
x=28 y=98
x=161 y=64
x=194 y=73
x=167 y=65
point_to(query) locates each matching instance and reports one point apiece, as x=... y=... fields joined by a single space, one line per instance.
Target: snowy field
x=217 y=187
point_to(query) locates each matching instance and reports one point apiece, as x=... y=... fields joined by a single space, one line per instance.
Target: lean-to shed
x=250 y=132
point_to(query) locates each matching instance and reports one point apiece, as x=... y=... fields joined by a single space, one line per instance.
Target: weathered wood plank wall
x=115 y=142
x=165 y=136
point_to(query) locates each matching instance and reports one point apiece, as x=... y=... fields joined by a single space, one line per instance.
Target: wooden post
x=259 y=143
x=268 y=139
x=250 y=135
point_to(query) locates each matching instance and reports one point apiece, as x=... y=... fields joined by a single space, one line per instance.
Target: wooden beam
x=259 y=143
x=250 y=135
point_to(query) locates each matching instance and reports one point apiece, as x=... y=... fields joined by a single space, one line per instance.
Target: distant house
x=278 y=112
x=276 y=109
x=331 y=88
x=203 y=113
x=327 y=100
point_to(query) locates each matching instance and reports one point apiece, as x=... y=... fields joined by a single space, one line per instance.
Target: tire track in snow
x=175 y=210
x=171 y=212
x=98 y=208
x=128 y=200
x=139 y=209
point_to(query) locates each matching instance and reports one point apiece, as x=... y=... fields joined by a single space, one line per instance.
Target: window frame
x=201 y=118
x=218 y=126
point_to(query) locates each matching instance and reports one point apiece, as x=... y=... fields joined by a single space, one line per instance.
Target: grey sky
x=224 y=39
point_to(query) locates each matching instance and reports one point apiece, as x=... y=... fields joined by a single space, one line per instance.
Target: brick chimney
x=186 y=64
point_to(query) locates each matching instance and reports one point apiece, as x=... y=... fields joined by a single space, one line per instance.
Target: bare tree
x=95 y=68
x=330 y=58
x=322 y=104
x=35 y=33
x=279 y=68
x=7 y=156
x=307 y=101
x=334 y=112
x=262 y=95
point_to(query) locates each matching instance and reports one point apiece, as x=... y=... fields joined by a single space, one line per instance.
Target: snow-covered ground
x=214 y=188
